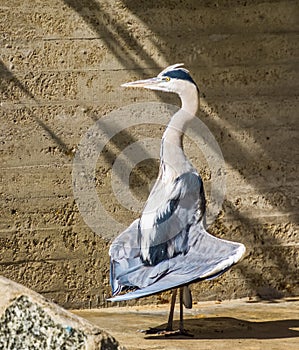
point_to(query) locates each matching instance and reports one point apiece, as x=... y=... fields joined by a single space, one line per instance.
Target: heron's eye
x=167 y=78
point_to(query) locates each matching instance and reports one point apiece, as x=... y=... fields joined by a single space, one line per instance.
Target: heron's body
x=168 y=247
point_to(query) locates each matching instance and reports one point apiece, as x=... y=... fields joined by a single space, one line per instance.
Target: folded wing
x=171 y=209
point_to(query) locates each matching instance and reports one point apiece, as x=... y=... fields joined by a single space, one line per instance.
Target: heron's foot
x=167 y=332
x=154 y=330
x=179 y=332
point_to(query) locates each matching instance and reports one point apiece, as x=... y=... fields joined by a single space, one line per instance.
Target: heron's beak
x=147 y=83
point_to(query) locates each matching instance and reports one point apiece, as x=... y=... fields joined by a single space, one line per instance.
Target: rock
x=29 y=321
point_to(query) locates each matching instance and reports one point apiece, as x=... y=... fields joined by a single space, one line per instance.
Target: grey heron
x=168 y=247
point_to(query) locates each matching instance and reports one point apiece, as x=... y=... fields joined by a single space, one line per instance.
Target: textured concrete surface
x=29 y=321
x=238 y=324
x=61 y=66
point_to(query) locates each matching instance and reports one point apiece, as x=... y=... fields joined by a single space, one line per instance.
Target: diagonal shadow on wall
x=115 y=36
x=7 y=77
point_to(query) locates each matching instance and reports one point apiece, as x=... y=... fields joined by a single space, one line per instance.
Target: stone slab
x=29 y=321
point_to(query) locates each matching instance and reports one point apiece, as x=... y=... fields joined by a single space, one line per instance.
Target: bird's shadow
x=233 y=328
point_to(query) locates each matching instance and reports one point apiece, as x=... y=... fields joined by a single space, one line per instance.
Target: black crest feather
x=181 y=74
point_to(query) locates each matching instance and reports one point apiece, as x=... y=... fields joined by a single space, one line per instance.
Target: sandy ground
x=238 y=324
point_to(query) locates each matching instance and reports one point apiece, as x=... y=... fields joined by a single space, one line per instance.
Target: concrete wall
x=62 y=63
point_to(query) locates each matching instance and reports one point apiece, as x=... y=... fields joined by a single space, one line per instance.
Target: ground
x=238 y=324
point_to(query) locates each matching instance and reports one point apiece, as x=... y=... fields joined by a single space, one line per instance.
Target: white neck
x=190 y=100
x=179 y=120
x=172 y=145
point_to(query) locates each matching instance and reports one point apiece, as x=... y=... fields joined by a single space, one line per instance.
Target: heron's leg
x=181 y=330
x=171 y=311
x=168 y=332
x=181 y=311
x=168 y=329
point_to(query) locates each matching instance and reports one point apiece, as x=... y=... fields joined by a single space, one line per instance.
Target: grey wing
x=207 y=258
x=126 y=267
x=124 y=256
x=170 y=210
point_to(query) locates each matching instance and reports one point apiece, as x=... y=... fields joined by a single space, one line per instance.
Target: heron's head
x=172 y=79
